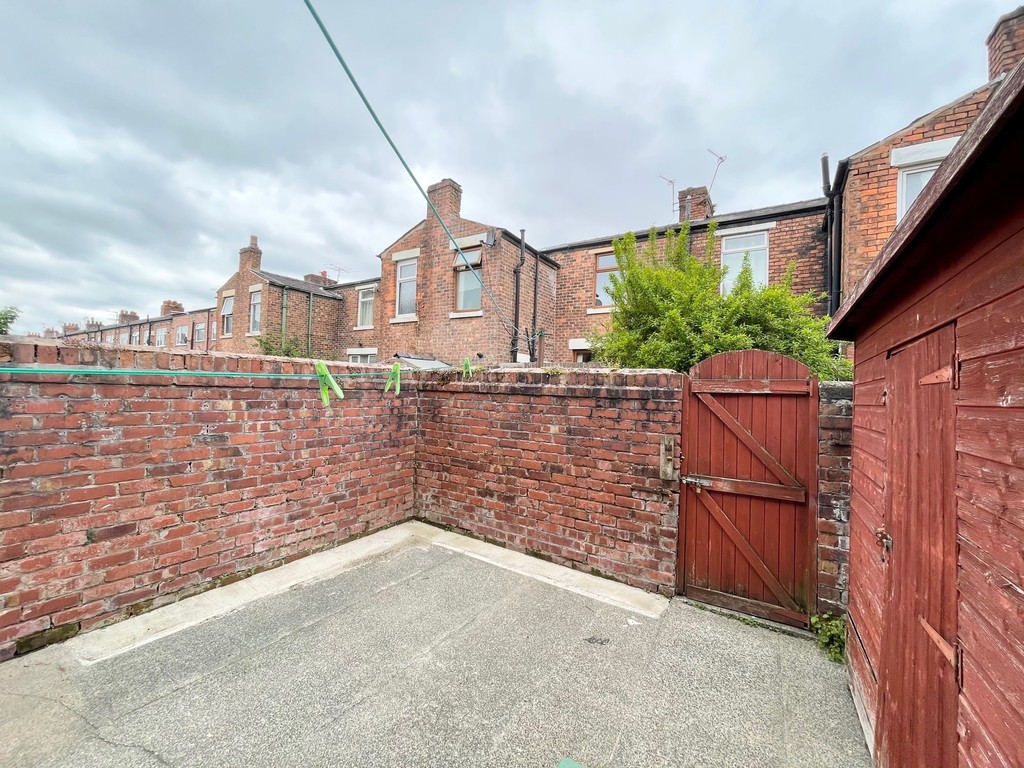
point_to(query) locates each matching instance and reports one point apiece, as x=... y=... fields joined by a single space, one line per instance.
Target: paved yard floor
x=425 y=656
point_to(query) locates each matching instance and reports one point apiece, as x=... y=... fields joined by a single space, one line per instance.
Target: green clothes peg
x=395 y=377
x=467 y=371
x=327 y=383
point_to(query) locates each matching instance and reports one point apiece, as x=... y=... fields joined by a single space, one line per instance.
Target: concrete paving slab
x=422 y=653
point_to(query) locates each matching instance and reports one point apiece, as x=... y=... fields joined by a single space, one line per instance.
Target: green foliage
x=669 y=312
x=7 y=317
x=273 y=344
x=831 y=634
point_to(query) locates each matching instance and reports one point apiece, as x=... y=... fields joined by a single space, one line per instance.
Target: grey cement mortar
x=431 y=658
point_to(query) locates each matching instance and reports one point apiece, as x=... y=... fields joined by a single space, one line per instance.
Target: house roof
x=298 y=285
x=1003 y=108
x=739 y=217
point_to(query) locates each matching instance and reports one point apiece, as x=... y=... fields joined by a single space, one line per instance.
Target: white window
x=405 y=288
x=161 y=337
x=123 y=338
x=363 y=355
x=200 y=332
x=110 y=338
x=467 y=280
x=181 y=335
x=213 y=330
x=227 y=313
x=605 y=267
x=365 y=319
x=908 y=188
x=917 y=164
x=135 y=337
x=753 y=246
x=255 y=300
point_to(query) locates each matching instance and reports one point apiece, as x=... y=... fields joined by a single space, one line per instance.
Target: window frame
x=160 y=337
x=599 y=270
x=724 y=251
x=465 y=271
x=227 y=318
x=399 y=280
x=136 y=337
x=199 y=332
x=902 y=206
x=181 y=335
x=361 y=299
x=123 y=337
x=255 y=311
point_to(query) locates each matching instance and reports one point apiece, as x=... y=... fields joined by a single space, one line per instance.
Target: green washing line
x=366 y=102
x=144 y=372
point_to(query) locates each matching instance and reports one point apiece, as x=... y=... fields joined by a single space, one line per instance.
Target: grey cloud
x=141 y=143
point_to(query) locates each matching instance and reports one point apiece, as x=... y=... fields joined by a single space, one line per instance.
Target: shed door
x=917 y=676
x=750 y=447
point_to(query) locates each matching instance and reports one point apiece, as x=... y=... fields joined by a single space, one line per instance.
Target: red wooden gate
x=750 y=440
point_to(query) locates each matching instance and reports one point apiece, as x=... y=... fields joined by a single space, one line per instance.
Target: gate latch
x=697 y=482
x=884 y=540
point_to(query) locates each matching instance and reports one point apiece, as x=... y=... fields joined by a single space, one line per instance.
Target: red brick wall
x=1006 y=43
x=434 y=332
x=121 y=493
x=835 y=448
x=565 y=467
x=869 y=198
x=324 y=342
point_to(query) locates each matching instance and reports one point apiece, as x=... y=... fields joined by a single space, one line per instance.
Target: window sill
x=253 y=333
x=363 y=328
x=466 y=313
x=403 y=319
x=599 y=310
x=227 y=336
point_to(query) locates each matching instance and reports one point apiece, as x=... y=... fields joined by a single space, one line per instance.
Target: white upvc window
x=365 y=355
x=136 y=334
x=735 y=248
x=213 y=330
x=200 y=332
x=917 y=164
x=110 y=338
x=255 y=304
x=467 y=280
x=405 y=288
x=161 y=337
x=365 y=314
x=123 y=338
x=181 y=335
x=227 y=314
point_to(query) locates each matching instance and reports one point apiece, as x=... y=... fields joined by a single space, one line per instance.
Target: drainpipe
x=518 y=274
x=533 y=329
x=309 y=328
x=284 y=313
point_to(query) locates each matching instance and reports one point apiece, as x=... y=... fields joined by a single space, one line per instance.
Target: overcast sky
x=142 y=142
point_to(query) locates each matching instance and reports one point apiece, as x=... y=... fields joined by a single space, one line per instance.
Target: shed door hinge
x=949 y=374
x=952 y=652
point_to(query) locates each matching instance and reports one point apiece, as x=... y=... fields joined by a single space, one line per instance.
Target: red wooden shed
x=936 y=642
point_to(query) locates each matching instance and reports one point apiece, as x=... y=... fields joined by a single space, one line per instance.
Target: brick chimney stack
x=124 y=317
x=321 y=279
x=1006 y=43
x=50 y=333
x=170 y=307
x=446 y=196
x=695 y=204
x=70 y=328
x=250 y=256
x=92 y=324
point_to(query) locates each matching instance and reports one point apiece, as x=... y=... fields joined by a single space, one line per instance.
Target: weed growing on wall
x=831 y=632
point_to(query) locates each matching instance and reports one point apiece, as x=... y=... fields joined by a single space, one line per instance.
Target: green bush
x=669 y=312
x=7 y=317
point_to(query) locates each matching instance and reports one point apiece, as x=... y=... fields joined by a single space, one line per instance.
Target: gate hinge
x=955 y=365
